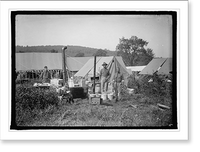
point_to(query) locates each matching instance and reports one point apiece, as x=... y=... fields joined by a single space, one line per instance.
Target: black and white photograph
x=94 y=70
x=97 y=71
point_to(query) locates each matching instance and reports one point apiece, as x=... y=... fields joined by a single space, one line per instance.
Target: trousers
x=117 y=87
x=104 y=84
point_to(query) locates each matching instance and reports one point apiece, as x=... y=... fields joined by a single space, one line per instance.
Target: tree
x=133 y=51
x=80 y=54
x=54 y=51
x=100 y=52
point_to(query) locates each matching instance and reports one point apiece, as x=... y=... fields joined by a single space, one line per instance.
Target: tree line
x=133 y=50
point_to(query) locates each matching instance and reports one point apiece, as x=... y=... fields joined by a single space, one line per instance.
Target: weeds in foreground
x=31 y=101
x=39 y=107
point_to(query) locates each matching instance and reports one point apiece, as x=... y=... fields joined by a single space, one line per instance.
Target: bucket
x=104 y=96
x=110 y=96
x=97 y=89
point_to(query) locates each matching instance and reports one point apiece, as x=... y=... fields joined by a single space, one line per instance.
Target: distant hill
x=71 y=50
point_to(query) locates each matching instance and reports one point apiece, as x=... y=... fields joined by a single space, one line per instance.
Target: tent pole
x=94 y=74
x=116 y=87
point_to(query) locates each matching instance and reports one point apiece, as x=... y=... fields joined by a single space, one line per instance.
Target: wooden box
x=95 y=100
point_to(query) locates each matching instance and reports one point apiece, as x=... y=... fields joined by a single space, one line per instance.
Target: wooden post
x=116 y=87
x=32 y=73
x=94 y=74
x=64 y=65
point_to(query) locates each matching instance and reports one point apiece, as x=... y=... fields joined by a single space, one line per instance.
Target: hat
x=104 y=63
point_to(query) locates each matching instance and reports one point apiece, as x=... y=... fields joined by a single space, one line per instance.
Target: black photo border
x=173 y=14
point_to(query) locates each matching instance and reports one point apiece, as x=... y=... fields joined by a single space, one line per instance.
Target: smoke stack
x=64 y=64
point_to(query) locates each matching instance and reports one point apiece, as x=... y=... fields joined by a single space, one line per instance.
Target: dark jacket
x=45 y=76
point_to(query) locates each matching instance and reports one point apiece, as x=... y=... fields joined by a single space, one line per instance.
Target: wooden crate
x=95 y=100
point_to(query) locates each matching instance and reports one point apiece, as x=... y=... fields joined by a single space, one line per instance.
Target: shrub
x=158 y=90
x=30 y=101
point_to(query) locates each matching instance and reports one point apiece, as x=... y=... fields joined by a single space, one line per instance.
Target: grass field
x=133 y=112
x=42 y=108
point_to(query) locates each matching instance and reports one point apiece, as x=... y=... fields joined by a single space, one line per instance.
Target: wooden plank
x=163 y=106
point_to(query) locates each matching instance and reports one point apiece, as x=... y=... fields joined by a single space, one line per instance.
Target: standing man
x=104 y=76
x=45 y=75
x=118 y=79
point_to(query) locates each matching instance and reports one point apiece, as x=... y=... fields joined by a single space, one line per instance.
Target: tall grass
x=31 y=102
x=34 y=103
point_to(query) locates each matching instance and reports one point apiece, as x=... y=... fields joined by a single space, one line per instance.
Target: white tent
x=88 y=68
x=37 y=61
x=166 y=67
x=159 y=65
x=136 y=68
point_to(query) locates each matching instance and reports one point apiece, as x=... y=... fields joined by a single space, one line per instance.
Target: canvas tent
x=113 y=63
x=166 y=67
x=159 y=65
x=76 y=63
x=136 y=68
x=37 y=61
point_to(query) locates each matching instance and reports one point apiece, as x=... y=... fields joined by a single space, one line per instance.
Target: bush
x=158 y=90
x=30 y=101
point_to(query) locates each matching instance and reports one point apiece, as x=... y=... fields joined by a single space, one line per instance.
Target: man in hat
x=104 y=76
x=45 y=75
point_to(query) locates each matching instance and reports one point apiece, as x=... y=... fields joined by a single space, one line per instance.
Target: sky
x=96 y=31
